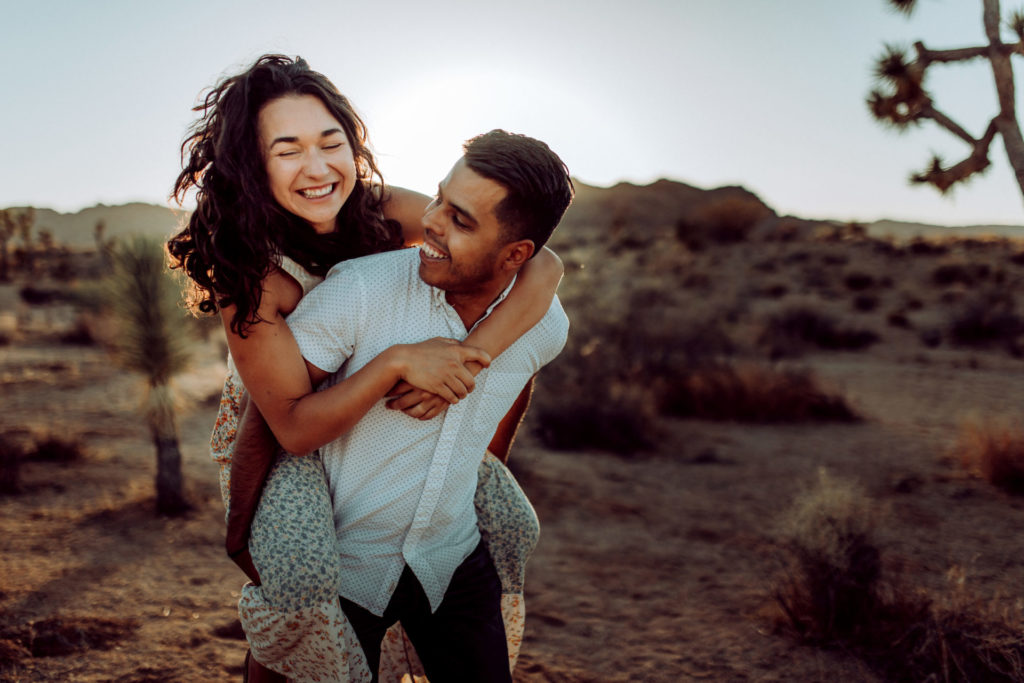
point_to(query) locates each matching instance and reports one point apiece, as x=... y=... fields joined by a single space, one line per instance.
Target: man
x=402 y=489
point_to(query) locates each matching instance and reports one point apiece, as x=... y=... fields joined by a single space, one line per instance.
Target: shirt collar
x=439 y=300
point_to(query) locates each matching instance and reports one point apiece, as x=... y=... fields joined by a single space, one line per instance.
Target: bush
x=585 y=401
x=965 y=274
x=723 y=221
x=793 y=329
x=11 y=457
x=835 y=594
x=985 y=319
x=831 y=589
x=750 y=393
x=57 y=449
x=865 y=303
x=858 y=282
x=993 y=450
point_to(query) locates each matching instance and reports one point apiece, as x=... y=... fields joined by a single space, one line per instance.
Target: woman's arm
x=523 y=308
x=276 y=376
x=407 y=207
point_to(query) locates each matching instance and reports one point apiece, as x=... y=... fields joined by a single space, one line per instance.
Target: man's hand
x=414 y=402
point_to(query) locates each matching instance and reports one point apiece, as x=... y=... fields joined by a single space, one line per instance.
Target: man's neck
x=472 y=305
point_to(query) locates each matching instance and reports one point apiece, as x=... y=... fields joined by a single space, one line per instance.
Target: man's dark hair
x=538 y=183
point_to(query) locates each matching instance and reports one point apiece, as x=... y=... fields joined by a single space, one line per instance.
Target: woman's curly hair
x=238 y=232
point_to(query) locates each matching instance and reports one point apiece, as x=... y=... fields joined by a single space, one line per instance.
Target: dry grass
x=831 y=586
x=834 y=593
x=994 y=450
x=751 y=393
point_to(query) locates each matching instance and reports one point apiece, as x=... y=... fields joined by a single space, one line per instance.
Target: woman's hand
x=438 y=366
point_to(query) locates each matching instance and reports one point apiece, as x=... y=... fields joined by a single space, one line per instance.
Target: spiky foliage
x=904 y=6
x=153 y=340
x=901 y=100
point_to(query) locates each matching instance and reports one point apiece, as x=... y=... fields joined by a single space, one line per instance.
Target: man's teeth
x=432 y=252
x=317 y=192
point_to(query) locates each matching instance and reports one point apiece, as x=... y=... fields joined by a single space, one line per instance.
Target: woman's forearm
x=523 y=308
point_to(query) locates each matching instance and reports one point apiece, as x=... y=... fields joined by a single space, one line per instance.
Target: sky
x=768 y=94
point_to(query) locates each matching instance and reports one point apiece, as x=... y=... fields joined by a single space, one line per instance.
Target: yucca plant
x=902 y=100
x=153 y=340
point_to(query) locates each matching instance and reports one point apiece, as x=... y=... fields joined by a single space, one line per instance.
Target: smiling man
x=402 y=488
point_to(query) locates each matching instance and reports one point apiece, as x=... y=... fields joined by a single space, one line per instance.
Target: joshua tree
x=7 y=225
x=902 y=99
x=23 y=223
x=153 y=341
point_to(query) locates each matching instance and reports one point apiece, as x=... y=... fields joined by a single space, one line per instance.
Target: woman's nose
x=315 y=165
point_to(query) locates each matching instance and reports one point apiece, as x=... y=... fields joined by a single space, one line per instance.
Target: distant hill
x=901 y=230
x=655 y=207
x=77 y=229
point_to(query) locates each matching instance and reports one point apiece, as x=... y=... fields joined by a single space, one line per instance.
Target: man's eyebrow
x=292 y=138
x=457 y=208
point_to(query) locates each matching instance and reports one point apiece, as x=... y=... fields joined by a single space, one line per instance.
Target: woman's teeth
x=317 y=192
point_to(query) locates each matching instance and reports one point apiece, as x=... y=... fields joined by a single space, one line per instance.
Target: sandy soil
x=652 y=567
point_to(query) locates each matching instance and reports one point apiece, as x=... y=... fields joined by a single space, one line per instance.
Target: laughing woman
x=286 y=187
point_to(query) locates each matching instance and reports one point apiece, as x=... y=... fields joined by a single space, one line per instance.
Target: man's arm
x=501 y=444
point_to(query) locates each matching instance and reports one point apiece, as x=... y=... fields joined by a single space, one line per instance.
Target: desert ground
x=658 y=563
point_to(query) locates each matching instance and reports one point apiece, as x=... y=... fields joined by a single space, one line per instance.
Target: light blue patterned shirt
x=403 y=488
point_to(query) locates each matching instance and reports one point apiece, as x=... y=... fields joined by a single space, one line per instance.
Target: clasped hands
x=438 y=373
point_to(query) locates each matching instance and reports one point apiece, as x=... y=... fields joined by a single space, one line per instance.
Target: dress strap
x=305 y=279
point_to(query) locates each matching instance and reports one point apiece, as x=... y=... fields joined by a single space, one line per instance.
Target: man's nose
x=430 y=218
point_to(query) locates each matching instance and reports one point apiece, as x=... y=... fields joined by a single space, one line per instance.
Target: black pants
x=463 y=641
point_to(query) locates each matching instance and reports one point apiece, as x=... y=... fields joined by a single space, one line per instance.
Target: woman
x=286 y=187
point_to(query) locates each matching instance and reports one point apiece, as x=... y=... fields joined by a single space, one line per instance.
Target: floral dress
x=293 y=621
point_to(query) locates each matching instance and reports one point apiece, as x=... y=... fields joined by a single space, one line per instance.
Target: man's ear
x=517 y=254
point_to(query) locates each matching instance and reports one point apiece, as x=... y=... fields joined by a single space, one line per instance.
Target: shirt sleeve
x=327 y=320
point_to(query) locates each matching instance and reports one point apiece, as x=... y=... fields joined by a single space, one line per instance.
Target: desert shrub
x=56 y=449
x=600 y=391
x=965 y=273
x=79 y=335
x=721 y=221
x=38 y=296
x=11 y=457
x=993 y=450
x=774 y=291
x=835 y=259
x=586 y=399
x=830 y=590
x=865 y=303
x=1017 y=258
x=835 y=593
x=858 y=281
x=920 y=246
x=898 y=319
x=790 y=331
x=749 y=393
x=931 y=337
x=986 y=318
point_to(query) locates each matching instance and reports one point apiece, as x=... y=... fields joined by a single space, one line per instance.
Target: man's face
x=462 y=241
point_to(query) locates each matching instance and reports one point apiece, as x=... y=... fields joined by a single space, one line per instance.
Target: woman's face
x=308 y=158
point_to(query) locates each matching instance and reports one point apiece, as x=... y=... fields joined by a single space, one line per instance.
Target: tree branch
x=928 y=111
x=961 y=54
x=944 y=178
